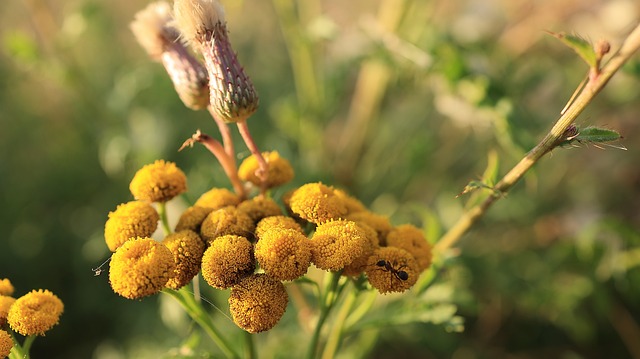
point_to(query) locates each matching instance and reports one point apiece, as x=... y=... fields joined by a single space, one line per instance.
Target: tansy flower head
x=411 y=239
x=187 y=248
x=5 y=304
x=227 y=220
x=153 y=30
x=336 y=244
x=353 y=204
x=192 y=218
x=284 y=254
x=280 y=170
x=6 y=288
x=227 y=260
x=317 y=203
x=140 y=268
x=158 y=182
x=359 y=264
x=217 y=198
x=130 y=220
x=378 y=222
x=258 y=302
x=392 y=269
x=260 y=207
x=35 y=312
x=6 y=343
x=273 y=222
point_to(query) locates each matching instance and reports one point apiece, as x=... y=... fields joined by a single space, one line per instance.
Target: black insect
x=387 y=267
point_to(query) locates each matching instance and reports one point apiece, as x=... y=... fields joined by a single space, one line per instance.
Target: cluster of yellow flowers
x=251 y=246
x=32 y=314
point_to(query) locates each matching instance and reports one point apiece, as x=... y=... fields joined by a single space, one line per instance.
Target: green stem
x=548 y=143
x=335 y=338
x=202 y=318
x=21 y=351
x=164 y=219
x=327 y=299
x=249 y=348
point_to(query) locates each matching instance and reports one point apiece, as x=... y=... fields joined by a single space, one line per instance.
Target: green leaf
x=594 y=136
x=581 y=46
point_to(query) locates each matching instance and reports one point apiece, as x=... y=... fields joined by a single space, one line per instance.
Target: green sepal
x=581 y=46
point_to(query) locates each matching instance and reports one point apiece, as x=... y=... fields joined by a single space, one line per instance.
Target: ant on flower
x=386 y=266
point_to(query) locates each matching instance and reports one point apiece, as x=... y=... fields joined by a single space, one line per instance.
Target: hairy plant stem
x=164 y=219
x=548 y=143
x=327 y=299
x=196 y=312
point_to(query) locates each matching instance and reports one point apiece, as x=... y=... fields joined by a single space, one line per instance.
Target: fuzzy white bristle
x=194 y=17
x=150 y=27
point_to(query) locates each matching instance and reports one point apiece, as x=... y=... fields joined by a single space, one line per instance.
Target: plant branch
x=225 y=132
x=548 y=143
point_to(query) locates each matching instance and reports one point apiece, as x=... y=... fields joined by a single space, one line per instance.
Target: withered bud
x=153 y=30
x=602 y=48
x=232 y=95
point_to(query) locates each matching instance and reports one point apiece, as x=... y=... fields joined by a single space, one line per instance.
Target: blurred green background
x=398 y=101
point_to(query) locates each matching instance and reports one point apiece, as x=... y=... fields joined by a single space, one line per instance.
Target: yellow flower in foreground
x=260 y=207
x=411 y=239
x=217 y=198
x=5 y=304
x=35 y=312
x=258 y=302
x=158 y=182
x=280 y=170
x=227 y=220
x=317 y=203
x=187 y=248
x=227 y=261
x=6 y=288
x=336 y=244
x=392 y=269
x=140 y=267
x=192 y=218
x=6 y=343
x=359 y=264
x=284 y=254
x=282 y=222
x=130 y=220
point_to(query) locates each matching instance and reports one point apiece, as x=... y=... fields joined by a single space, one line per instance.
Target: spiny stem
x=549 y=142
x=227 y=163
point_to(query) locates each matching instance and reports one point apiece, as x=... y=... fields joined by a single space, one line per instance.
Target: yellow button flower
x=284 y=254
x=258 y=302
x=359 y=264
x=280 y=170
x=130 y=220
x=227 y=260
x=260 y=207
x=158 y=182
x=227 y=220
x=392 y=269
x=336 y=244
x=282 y=222
x=6 y=288
x=5 y=304
x=6 y=343
x=353 y=204
x=217 y=198
x=192 y=218
x=317 y=203
x=411 y=239
x=187 y=248
x=35 y=312
x=140 y=268
x=378 y=222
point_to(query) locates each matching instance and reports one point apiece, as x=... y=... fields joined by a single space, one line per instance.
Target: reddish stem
x=263 y=171
x=226 y=135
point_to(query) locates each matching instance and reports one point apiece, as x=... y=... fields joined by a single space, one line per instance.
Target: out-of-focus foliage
x=398 y=101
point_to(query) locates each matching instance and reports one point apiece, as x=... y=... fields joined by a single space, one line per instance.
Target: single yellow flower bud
x=35 y=312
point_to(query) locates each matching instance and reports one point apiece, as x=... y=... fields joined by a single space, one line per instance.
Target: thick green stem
x=249 y=348
x=164 y=219
x=327 y=299
x=548 y=143
x=196 y=312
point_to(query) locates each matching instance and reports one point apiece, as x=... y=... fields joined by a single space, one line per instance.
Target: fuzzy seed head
x=195 y=18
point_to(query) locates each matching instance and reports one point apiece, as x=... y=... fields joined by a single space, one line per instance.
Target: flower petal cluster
x=281 y=222
x=359 y=264
x=6 y=343
x=392 y=269
x=217 y=198
x=130 y=220
x=187 y=248
x=411 y=239
x=378 y=222
x=260 y=207
x=284 y=254
x=280 y=170
x=192 y=218
x=5 y=304
x=35 y=312
x=228 y=259
x=6 y=288
x=258 y=302
x=336 y=244
x=140 y=268
x=227 y=220
x=158 y=182
x=317 y=203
